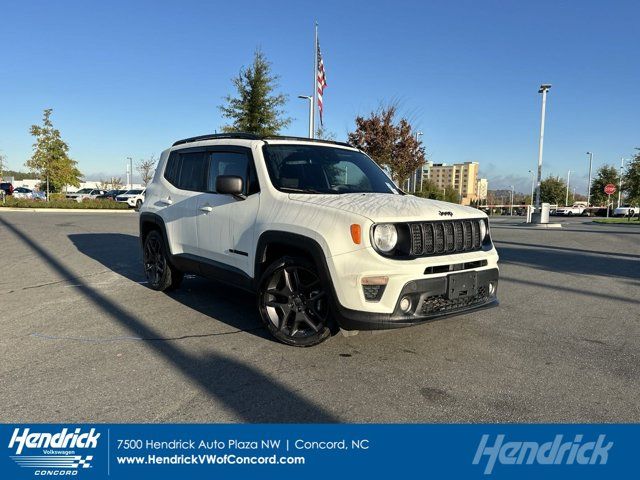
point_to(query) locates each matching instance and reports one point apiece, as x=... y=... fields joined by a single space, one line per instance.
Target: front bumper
x=430 y=299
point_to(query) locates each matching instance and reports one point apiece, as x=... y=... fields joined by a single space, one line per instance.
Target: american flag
x=322 y=82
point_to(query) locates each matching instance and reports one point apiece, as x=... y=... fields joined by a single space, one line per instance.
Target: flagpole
x=315 y=82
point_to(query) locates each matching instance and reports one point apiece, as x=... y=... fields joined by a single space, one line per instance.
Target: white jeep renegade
x=317 y=230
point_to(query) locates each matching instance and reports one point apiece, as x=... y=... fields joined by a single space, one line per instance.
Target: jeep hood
x=383 y=207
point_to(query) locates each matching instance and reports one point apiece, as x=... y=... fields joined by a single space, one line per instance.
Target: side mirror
x=230 y=185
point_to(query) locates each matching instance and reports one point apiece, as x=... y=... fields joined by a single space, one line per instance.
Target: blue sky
x=129 y=78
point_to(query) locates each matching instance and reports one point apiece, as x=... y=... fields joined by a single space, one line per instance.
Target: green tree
x=631 y=180
x=451 y=195
x=256 y=108
x=50 y=159
x=430 y=190
x=553 y=190
x=605 y=175
x=390 y=143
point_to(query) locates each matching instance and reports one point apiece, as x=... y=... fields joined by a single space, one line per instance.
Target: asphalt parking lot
x=84 y=340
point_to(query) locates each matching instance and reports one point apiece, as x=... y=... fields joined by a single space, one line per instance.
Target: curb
x=629 y=224
x=65 y=210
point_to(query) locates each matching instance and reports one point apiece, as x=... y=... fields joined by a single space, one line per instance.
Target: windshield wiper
x=299 y=190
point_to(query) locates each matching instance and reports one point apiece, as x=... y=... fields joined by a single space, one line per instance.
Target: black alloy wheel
x=160 y=274
x=294 y=304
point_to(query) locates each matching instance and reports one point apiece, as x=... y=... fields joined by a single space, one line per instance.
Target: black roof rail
x=305 y=139
x=253 y=136
x=215 y=136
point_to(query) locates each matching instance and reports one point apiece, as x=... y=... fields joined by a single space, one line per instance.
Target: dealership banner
x=96 y=451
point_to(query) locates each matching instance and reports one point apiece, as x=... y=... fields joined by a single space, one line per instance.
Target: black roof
x=252 y=136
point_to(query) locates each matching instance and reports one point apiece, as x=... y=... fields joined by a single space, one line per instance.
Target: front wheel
x=294 y=303
x=138 y=205
x=161 y=275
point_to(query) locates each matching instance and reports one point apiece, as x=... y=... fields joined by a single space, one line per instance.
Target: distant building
x=463 y=177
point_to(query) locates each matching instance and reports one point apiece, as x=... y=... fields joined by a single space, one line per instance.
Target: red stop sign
x=610 y=189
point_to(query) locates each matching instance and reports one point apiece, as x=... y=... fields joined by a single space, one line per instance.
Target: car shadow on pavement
x=567 y=261
x=250 y=394
x=122 y=254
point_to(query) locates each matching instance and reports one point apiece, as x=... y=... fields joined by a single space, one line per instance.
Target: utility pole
x=620 y=181
x=532 y=186
x=544 y=88
x=589 y=184
x=566 y=199
x=511 y=204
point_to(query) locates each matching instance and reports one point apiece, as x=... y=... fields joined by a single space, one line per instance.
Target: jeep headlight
x=483 y=230
x=385 y=237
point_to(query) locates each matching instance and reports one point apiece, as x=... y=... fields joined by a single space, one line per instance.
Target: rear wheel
x=161 y=275
x=293 y=303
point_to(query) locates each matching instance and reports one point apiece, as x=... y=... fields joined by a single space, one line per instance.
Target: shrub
x=64 y=203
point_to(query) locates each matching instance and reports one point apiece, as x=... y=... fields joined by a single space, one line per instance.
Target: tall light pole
x=620 y=180
x=532 y=186
x=310 y=98
x=129 y=173
x=544 y=88
x=511 y=204
x=566 y=199
x=589 y=183
x=421 y=167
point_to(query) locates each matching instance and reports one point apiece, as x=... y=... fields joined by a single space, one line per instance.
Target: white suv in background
x=137 y=200
x=85 y=193
x=134 y=198
x=317 y=230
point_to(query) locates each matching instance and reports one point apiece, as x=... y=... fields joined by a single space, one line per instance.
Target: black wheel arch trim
x=297 y=242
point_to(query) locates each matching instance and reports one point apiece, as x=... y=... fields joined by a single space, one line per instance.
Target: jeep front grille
x=449 y=236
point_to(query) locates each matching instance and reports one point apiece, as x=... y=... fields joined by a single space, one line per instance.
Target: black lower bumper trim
x=430 y=302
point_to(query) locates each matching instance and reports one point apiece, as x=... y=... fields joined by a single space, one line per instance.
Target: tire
x=161 y=275
x=138 y=205
x=294 y=304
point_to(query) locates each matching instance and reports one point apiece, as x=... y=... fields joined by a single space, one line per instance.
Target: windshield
x=84 y=190
x=324 y=169
x=134 y=192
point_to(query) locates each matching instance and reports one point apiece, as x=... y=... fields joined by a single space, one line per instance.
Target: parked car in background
x=627 y=211
x=85 y=193
x=575 y=209
x=24 y=192
x=137 y=201
x=7 y=188
x=130 y=194
x=110 y=194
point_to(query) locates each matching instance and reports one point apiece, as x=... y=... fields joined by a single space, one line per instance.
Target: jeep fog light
x=405 y=304
x=492 y=288
x=385 y=237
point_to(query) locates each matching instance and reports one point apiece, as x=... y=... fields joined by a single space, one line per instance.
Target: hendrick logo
x=62 y=439
x=556 y=452
x=57 y=451
x=445 y=213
